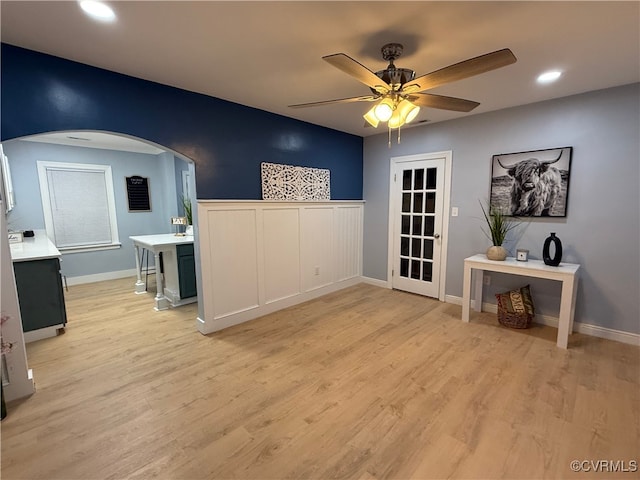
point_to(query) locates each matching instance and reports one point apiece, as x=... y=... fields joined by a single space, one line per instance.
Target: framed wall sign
x=138 y=194
x=531 y=184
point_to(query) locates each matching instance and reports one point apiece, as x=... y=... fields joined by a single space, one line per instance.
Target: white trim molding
x=258 y=257
x=551 y=321
x=101 y=277
x=375 y=282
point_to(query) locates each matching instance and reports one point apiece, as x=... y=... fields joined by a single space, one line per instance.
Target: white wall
x=259 y=257
x=602 y=228
x=18 y=381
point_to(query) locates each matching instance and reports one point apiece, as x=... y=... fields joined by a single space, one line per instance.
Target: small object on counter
x=28 y=233
x=15 y=237
x=522 y=255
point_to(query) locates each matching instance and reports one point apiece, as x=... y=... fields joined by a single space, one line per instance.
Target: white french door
x=418 y=189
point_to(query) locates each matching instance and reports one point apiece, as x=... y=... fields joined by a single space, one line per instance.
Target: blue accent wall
x=226 y=141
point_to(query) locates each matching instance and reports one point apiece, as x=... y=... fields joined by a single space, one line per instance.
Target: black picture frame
x=534 y=183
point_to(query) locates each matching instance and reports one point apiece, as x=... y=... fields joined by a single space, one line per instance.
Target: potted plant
x=186 y=204
x=498 y=226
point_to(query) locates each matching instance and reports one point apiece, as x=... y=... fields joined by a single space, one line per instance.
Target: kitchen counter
x=38 y=247
x=36 y=266
x=175 y=281
x=161 y=240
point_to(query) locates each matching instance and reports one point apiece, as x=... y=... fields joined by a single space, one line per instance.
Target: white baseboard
x=101 y=277
x=584 y=328
x=209 y=326
x=376 y=282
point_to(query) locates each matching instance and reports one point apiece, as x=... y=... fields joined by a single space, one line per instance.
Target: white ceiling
x=268 y=54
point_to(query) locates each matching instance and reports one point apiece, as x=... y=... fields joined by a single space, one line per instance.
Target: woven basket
x=515 y=308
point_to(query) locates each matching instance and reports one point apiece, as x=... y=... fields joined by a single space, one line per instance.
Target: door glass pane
x=428 y=249
x=404 y=267
x=418 y=181
x=406 y=224
x=404 y=246
x=415 y=248
x=415 y=269
x=406 y=180
x=406 y=202
x=431 y=202
x=417 y=202
x=417 y=224
x=429 y=226
x=427 y=271
x=431 y=178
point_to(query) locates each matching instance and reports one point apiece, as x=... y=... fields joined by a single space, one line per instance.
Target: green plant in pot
x=499 y=225
x=188 y=212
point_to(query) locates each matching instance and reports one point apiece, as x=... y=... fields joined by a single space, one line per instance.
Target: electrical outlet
x=454 y=211
x=486 y=279
x=316 y=270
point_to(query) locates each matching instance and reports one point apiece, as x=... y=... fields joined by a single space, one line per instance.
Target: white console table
x=167 y=289
x=565 y=273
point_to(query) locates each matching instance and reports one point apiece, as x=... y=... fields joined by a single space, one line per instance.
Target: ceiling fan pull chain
x=389 y=137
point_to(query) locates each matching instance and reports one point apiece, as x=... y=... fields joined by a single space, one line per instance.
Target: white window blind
x=78 y=203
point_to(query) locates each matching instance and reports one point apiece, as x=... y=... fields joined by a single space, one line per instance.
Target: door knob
x=437 y=235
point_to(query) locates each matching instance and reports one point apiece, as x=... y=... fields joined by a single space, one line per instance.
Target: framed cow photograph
x=531 y=184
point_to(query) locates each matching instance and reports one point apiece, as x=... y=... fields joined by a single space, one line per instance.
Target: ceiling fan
x=397 y=91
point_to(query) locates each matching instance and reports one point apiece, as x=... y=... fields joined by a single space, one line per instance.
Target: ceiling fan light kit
x=400 y=95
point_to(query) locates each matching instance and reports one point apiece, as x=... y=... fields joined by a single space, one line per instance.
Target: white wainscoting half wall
x=258 y=257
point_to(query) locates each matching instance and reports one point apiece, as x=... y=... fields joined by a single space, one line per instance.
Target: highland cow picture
x=531 y=184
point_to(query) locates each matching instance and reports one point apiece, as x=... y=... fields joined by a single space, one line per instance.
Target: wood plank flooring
x=365 y=383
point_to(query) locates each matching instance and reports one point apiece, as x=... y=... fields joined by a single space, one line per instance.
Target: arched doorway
x=170 y=177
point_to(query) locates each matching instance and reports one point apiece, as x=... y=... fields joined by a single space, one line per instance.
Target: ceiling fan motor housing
x=396 y=77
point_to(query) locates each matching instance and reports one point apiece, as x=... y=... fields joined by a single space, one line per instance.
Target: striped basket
x=515 y=308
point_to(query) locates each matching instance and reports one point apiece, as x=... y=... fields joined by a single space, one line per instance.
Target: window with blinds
x=79 y=205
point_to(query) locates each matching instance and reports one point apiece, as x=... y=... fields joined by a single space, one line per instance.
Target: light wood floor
x=365 y=383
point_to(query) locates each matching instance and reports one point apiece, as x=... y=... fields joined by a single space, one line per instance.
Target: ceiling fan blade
x=358 y=71
x=365 y=98
x=462 y=70
x=442 y=102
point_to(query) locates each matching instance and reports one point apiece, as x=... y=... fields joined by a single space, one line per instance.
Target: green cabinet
x=40 y=293
x=186 y=270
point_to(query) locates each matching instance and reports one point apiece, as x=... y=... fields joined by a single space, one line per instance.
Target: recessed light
x=98 y=10
x=550 y=76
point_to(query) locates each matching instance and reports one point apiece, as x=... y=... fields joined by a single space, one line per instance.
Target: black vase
x=557 y=257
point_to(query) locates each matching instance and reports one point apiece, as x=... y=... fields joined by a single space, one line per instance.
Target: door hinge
x=394 y=177
x=393 y=272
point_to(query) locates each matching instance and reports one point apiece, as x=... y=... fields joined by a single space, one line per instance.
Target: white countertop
x=38 y=247
x=161 y=240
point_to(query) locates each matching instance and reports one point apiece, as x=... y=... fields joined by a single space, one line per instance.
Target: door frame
x=446 y=208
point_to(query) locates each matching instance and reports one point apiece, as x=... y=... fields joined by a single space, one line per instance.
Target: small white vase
x=498 y=253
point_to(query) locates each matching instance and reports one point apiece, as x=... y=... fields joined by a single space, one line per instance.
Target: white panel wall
x=317 y=247
x=233 y=242
x=258 y=257
x=348 y=236
x=281 y=253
